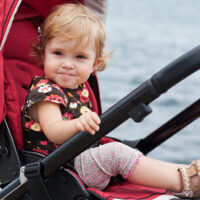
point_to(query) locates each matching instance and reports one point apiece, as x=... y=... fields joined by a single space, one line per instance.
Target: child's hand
x=89 y=121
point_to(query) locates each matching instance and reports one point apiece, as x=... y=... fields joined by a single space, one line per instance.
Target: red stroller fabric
x=130 y=191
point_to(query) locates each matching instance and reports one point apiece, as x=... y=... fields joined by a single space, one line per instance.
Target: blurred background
x=146 y=36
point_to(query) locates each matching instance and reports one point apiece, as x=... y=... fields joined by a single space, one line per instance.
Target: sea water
x=146 y=36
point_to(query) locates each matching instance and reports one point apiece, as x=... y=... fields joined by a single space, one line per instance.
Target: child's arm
x=58 y=130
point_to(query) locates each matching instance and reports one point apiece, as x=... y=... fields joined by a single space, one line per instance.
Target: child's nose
x=67 y=63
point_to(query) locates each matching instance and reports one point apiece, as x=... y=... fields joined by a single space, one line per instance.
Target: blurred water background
x=146 y=36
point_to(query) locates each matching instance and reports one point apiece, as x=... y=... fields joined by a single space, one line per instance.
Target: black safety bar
x=170 y=128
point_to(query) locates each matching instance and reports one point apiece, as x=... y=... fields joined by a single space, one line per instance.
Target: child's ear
x=96 y=63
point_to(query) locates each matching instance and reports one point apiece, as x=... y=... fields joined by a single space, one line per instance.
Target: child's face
x=66 y=65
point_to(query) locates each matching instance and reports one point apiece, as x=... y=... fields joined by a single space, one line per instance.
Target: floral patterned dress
x=73 y=103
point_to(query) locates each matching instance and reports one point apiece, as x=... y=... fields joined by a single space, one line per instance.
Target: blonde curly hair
x=74 y=22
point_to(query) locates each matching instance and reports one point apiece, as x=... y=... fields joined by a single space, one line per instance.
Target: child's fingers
x=84 y=121
x=96 y=118
x=93 y=121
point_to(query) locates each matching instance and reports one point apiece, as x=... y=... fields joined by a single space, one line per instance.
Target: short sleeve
x=42 y=89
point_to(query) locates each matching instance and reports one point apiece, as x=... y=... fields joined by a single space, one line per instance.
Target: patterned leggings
x=96 y=166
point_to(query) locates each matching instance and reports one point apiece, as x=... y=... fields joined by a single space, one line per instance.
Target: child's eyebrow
x=56 y=47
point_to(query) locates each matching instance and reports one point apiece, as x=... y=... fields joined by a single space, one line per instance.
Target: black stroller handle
x=176 y=70
x=134 y=105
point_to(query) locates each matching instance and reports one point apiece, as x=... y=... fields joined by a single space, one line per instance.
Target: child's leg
x=155 y=173
x=185 y=182
x=96 y=166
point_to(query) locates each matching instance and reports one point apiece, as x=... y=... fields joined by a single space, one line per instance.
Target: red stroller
x=48 y=177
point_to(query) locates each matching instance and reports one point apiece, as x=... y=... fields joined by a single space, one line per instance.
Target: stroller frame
x=135 y=105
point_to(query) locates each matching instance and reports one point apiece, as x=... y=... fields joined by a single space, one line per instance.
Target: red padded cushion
x=18 y=44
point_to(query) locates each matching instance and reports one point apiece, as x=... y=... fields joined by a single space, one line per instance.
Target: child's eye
x=58 y=53
x=81 y=56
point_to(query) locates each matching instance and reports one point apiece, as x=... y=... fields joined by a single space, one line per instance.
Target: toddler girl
x=71 y=48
